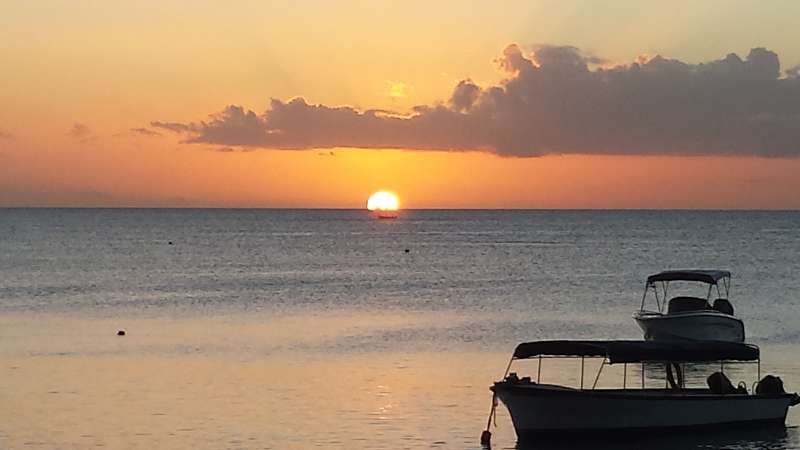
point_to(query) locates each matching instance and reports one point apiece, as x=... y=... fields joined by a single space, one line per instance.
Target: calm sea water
x=294 y=329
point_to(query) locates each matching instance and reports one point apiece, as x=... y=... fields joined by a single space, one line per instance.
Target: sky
x=450 y=104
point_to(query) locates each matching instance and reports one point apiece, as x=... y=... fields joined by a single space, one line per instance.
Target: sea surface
x=298 y=329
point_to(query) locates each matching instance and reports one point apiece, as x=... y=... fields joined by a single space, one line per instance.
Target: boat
x=540 y=410
x=686 y=317
x=385 y=213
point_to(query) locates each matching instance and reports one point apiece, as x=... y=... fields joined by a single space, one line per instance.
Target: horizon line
x=301 y=208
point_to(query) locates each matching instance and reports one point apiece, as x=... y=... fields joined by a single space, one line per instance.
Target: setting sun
x=383 y=201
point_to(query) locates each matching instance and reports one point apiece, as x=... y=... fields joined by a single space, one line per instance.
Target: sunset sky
x=473 y=104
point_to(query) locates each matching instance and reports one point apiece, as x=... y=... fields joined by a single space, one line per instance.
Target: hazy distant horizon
x=301 y=208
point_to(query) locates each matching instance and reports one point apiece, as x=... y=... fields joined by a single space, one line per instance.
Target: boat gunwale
x=658 y=394
x=646 y=315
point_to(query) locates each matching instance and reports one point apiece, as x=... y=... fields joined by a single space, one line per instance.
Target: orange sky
x=114 y=67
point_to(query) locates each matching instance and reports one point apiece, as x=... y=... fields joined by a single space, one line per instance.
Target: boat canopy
x=642 y=351
x=704 y=276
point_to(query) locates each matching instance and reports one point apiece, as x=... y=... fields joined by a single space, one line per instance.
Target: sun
x=383 y=201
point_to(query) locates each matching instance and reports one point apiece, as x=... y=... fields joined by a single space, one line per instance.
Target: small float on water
x=692 y=318
x=539 y=409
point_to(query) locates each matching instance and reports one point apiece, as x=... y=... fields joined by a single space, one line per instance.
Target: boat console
x=684 y=304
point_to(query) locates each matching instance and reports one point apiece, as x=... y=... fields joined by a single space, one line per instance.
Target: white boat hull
x=538 y=409
x=703 y=325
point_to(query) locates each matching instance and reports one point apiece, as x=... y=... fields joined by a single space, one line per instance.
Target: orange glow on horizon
x=76 y=63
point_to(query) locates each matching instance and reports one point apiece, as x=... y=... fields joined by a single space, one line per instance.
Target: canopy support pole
x=644 y=296
x=598 y=373
x=658 y=303
x=642 y=374
x=683 y=377
x=582 y=362
x=539 y=370
x=624 y=375
x=508 y=367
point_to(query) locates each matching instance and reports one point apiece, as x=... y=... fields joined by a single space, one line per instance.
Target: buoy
x=169 y=243
x=486 y=438
x=121 y=333
x=407 y=250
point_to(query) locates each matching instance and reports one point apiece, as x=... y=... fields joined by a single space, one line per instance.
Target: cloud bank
x=555 y=99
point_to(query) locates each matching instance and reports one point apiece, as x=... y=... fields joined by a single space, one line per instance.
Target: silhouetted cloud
x=556 y=99
x=145 y=132
x=171 y=126
x=79 y=131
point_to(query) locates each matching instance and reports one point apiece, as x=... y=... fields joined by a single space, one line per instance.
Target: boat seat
x=723 y=305
x=684 y=304
x=718 y=383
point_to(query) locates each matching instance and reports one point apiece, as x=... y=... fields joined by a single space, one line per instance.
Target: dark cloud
x=171 y=126
x=556 y=99
x=145 y=132
x=79 y=131
x=464 y=95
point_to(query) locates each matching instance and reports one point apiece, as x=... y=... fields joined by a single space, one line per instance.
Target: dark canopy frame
x=641 y=351
x=703 y=276
x=710 y=277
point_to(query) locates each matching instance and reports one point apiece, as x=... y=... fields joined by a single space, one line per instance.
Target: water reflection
x=255 y=381
x=774 y=438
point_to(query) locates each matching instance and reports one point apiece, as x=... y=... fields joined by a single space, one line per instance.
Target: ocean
x=297 y=329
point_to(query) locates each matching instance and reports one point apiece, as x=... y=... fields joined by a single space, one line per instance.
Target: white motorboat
x=693 y=318
x=542 y=410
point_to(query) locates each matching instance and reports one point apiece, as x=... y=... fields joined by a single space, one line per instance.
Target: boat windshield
x=683 y=284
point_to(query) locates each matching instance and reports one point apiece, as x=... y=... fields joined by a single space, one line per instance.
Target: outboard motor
x=770 y=384
x=724 y=306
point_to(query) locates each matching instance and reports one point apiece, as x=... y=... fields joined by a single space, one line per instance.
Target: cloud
x=79 y=131
x=4 y=135
x=555 y=99
x=170 y=126
x=145 y=132
x=464 y=95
